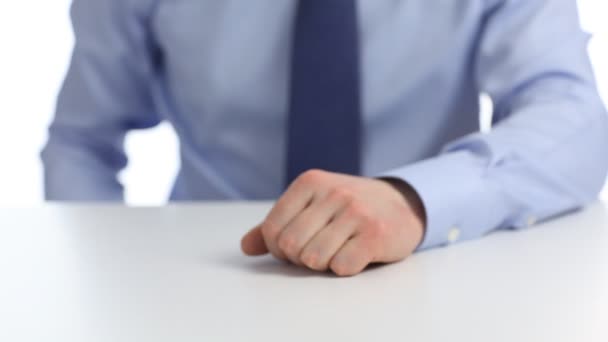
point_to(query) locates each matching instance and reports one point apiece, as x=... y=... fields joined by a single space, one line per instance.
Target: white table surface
x=103 y=273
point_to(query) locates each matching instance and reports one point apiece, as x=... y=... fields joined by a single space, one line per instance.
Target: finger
x=297 y=196
x=269 y=235
x=253 y=242
x=352 y=258
x=308 y=223
x=318 y=253
x=295 y=199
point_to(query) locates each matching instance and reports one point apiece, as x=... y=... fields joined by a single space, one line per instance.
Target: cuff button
x=453 y=235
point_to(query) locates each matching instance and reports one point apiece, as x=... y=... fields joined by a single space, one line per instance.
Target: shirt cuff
x=459 y=201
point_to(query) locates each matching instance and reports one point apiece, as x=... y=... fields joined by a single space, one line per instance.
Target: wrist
x=411 y=197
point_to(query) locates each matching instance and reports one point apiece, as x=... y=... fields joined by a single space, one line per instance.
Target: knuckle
x=375 y=229
x=375 y=224
x=367 y=250
x=380 y=227
x=313 y=176
x=287 y=244
x=340 y=195
x=311 y=259
x=303 y=222
x=357 y=210
x=270 y=229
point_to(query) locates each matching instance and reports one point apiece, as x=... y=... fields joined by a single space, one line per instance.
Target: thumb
x=253 y=242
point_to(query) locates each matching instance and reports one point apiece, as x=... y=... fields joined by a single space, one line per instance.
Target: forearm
x=546 y=152
x=479 y=185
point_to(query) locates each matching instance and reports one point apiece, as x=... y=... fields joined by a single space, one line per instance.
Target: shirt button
x=531 y=221
x=453 y=235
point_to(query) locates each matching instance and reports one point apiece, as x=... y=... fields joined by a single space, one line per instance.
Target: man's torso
x=223 y=84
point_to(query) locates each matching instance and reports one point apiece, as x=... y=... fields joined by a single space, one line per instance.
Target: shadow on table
x=267 y=265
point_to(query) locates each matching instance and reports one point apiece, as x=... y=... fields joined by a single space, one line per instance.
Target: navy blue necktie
x=324 y=124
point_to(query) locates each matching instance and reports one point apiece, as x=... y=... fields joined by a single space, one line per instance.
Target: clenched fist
x=333 y=221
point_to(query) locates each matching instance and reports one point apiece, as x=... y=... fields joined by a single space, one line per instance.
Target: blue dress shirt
x=218 y=71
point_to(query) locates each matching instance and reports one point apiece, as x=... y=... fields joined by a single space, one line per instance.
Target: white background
x=35 y=45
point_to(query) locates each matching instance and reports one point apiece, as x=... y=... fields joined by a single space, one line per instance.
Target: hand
x=333 y=221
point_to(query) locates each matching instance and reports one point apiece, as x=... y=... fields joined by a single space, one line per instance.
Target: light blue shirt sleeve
x=219 y=74
x=104 y=95
x=546 y=153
